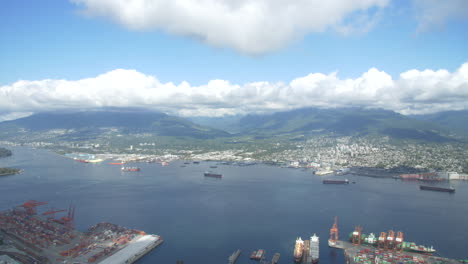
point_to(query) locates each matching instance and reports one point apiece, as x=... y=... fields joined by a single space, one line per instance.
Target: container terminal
x=29 y=237
x=388 y=249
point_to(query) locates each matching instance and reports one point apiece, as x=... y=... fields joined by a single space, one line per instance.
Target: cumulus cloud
x=414 y=92
x=248 y=26
x=435 y=13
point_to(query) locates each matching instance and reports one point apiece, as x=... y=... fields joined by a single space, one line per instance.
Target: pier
x=358 y=254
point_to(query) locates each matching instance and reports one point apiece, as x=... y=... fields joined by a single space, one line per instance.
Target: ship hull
x=335 y=182
x=213 y=175
x=437 y=189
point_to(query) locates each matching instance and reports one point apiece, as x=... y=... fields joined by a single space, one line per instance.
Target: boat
x=164 y=163
x=314 y=248
x=257 y=255
x=233 y=258
x=323 y=172
x=212 y=174
x=335 y=181
x=275 y=258
x=130 y=169
x=213 y=167
x=116 y=163
x=298 y=250
x=196 y=162
x=437 y=189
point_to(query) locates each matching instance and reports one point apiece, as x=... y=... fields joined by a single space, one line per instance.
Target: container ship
x=130 y=169
x=437 y=189
x=257 y=255
x=212 y=174
x=298 y=250
x=314 y=248
x=233 y=258
x=275 y=258
x=335 y=181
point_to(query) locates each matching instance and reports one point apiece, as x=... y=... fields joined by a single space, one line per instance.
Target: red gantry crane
x=399 y=241
x=31 y=205
x=390 y=243
x=333 y=233
x=382 y=240
x=68 y=221
x=357 y=236
x=51 y=213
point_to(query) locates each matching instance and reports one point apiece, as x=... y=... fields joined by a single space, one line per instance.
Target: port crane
x=334 y=232
x=390 y=243
x=31 y=205
x=399 y=241
x=51 y=213
x=68 y=221
x=382 y=240
x=357 y=235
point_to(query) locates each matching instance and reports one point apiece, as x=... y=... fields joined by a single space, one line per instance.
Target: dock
x=30 y=237
x=358 y=254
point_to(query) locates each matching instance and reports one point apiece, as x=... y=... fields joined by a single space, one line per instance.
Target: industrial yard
x=387 y=249
x=29 y=237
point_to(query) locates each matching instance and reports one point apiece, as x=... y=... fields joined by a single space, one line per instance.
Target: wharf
x=29 y=237
x=357 y=254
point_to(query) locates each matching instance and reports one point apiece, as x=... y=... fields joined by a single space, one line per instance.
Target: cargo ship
x=437 y=189
x=335 y=181
x=130 y=169
x=233 y=258
x=314 y=248
x=257 y=255
x=275 y=258
x=412 y=247
x=298 y=250
x=212 y=174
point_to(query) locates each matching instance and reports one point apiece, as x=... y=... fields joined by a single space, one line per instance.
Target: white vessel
x=314 y=248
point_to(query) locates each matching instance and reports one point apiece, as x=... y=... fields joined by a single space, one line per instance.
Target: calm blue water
x=203 y=220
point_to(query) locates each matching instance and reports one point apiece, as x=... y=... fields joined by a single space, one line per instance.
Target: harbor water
x=205 y=219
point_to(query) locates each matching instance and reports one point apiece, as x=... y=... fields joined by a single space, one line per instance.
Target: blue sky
x=52 y=39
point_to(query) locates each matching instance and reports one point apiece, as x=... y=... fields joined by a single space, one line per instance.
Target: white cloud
x=435 y=13
x=415 y=91
x=248 y=26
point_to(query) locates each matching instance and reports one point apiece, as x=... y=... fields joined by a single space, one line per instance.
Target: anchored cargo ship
x=257 y=255
x=233 y=258
x=298 y=250
x=212 y=174
x=437 y=189
x=335 y=181
x=314 y=248
x=130 y=169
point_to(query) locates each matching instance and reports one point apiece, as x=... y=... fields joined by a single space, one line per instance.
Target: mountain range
x=85 y=125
